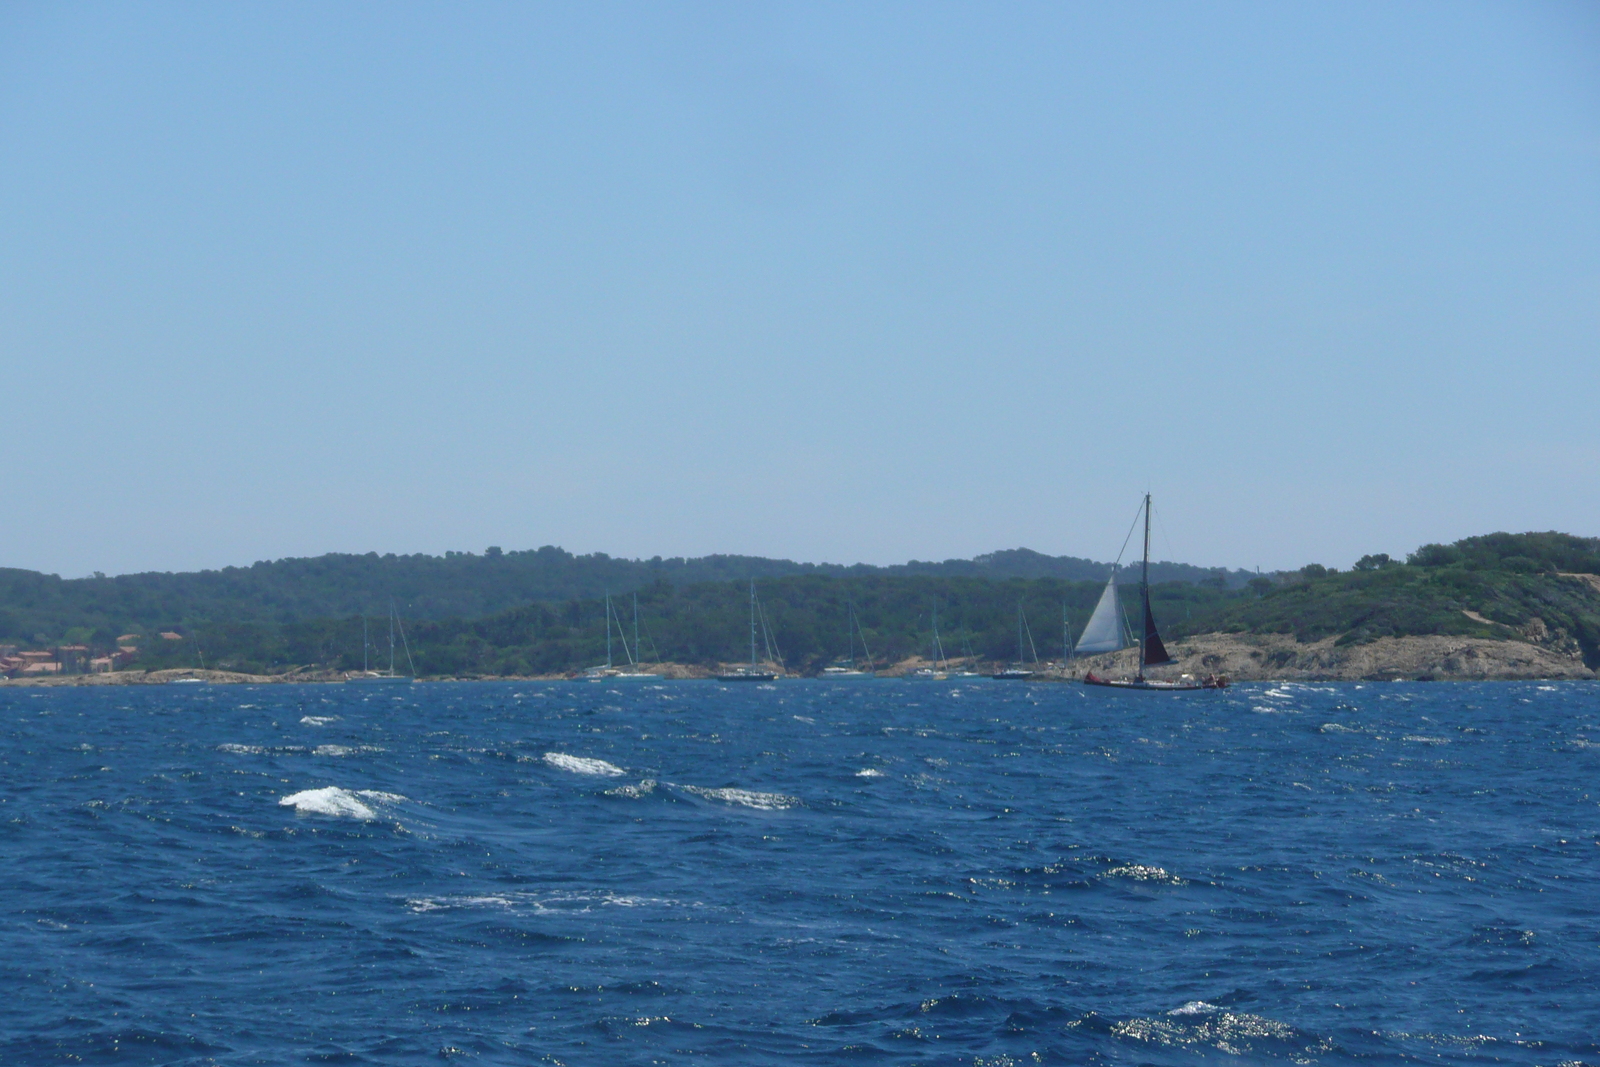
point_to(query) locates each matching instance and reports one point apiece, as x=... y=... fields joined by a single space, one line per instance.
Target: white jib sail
x=1104 y=632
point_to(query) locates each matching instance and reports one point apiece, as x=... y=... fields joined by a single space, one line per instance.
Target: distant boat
x=848 y=668
x=1020 y=671
x=972 y=657
x=755 y=672
x=941 y=666
x=1104 y=633
x=636 y=655
x=609 y=672
x=388 y=677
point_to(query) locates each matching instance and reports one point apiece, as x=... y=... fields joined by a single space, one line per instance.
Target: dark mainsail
x=1154 y=651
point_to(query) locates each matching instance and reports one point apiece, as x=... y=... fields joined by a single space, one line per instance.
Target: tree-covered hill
x=704 y=623
x=40 y=609
x=1533 y=586
x=547 y=615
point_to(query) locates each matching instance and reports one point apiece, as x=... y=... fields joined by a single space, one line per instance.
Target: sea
x=834 y=872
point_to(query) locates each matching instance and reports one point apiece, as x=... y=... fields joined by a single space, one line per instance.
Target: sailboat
x=755 y=672
x=1019 y=671
x=1104 y=633
x=608 y=672
x=848 y=668
x=941 y=666
x=635 y=654
x=972 y=657
x=388 y=677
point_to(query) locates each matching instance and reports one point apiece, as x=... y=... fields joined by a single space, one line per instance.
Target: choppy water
x=834 y=872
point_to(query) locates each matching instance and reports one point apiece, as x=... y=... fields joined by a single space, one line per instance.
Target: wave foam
x=338 y=803
x=1420 y=739
x=869 y=772
x=564 y=903
x=583 y=765
x=634 y=791
x=318 y=720
x=1138 y=872
x=343 y=750
x=747 y=797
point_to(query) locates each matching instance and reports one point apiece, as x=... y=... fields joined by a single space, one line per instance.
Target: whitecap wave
x=1422 y=740
x=338 y=803
x=1235 y=1033
x=318 y=720
x=565 y=903
x=262 y=750
x=1139 y=872
x=747 y=797
x=1337 y=728
x=648 y=785
x=583 y=765
x=869 y=772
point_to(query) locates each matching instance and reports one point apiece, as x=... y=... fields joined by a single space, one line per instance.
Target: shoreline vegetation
x=1501 y=606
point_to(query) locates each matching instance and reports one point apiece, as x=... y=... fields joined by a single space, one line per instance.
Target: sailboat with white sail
x=1105 y=633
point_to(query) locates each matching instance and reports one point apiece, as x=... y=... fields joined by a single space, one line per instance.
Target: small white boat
x=842 y=672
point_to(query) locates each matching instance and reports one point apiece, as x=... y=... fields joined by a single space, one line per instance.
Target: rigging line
x=402 y=626
x=1162 y=529
x=1029 y=631
x=611 y=610
x=648 y=636
x=633 y=661
x=1131 y=527
x=768 y=638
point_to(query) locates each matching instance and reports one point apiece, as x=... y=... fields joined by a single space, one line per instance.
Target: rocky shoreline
x=1241 y=657
x=1281 y=658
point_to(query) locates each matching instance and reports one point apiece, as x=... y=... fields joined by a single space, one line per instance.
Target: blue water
x=833 y=872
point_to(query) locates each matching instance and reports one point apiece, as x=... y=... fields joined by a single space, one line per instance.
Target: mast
x=391 y=638
x=608 y=631
x=1144 y=587
x=364 y=642
x=850 y=632
x=1066 y=635
x=638 y=653
x=752 y=622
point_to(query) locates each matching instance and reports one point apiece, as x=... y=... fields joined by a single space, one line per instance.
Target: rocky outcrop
x=1279 y=657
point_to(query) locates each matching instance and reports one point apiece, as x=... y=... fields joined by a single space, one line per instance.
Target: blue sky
x=831 y=282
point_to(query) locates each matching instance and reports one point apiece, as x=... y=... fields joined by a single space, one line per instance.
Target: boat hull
x=379 y=679
x=753 y=676
x=1152 y=686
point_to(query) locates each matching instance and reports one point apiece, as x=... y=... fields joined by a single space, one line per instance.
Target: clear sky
x=852 y=282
